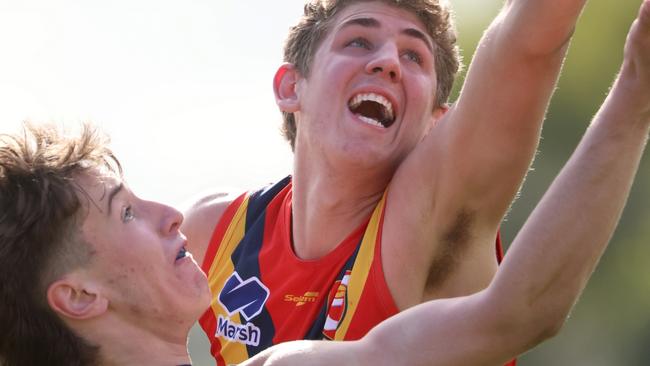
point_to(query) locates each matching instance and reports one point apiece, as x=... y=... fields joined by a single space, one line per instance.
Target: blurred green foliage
x=611 y=323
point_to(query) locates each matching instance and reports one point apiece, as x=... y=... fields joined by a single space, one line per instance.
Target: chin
x=195 y=290
x=204 y=291
x=193 y=305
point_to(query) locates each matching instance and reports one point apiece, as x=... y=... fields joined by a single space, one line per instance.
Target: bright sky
x=183 y=87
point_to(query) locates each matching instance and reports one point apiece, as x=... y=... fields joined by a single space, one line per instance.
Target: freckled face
x=139 y=260
x=370 y=92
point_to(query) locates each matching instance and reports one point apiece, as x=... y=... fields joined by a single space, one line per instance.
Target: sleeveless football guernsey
x=263 y=294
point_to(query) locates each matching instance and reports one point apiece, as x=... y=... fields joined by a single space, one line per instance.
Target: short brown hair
x=305 y=38
x=40 y=218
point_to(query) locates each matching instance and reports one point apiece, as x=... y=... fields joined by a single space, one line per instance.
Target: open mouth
x=373 y=109
x=182 y=253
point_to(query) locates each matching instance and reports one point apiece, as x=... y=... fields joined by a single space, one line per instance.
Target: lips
x=182 y=253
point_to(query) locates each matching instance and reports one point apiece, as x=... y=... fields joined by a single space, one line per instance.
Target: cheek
x=140 y=286
x=423 y=91
x=335 y=72
x=130 y=268
x=426 y=86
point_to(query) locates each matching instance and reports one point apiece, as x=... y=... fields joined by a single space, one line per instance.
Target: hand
x=635 y=72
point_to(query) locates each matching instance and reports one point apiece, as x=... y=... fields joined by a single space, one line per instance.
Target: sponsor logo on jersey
x=246 y=298
x=308 y=297
x=247 y=334
x=337 y=300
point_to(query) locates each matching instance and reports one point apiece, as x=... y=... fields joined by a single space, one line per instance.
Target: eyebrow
x=112 y=195
x=412 y=32
x=374 y=23
x=364 y=22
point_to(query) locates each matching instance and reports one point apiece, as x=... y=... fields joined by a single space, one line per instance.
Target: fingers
x=638 y=41
x=644 y=15
x=634 y=78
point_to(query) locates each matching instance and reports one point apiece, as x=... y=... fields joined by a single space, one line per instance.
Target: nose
x=385 y=62
x=171 y=220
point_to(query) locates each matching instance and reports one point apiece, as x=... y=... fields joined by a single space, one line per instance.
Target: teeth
x=370 y=121
x=374 y=98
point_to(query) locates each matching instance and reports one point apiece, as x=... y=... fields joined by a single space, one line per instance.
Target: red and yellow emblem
x=337 y=300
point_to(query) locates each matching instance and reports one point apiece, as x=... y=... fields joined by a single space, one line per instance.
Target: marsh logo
x=246 y=298
x=247 y=334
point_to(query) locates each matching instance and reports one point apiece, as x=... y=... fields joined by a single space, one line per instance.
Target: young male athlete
x=91 y=274
x=395 y=197
x=94 y=275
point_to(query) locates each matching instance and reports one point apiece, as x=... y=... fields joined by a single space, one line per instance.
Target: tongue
x=371 y=110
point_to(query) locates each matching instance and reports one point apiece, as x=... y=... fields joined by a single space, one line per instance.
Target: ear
x=440 y=112
x=437 y=115
x=72 y=298
x=284 y=87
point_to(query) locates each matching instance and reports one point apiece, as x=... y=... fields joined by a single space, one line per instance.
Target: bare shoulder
x=202 y=213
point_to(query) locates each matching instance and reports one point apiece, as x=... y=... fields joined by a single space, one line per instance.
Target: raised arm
x=463 y=176
x=549 y=263
x=502 y=104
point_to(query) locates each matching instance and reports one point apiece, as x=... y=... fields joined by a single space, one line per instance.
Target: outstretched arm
x=501 y=107
x=550 y=260
x=490 y=135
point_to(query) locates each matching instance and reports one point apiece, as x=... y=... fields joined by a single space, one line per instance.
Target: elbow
x=525 y=326
x=376 y=348
x=543 y=331
x=541 y=326
x=551 y=326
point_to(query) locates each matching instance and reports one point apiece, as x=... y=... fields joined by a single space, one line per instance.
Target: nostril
x=174 y=227
x=377 y=69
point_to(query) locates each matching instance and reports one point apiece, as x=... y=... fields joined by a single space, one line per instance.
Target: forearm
x=541 y=26
x=573 y=223
x=313 y=353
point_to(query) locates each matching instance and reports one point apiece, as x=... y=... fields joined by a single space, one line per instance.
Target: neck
x=122 y=343
x=330 y=202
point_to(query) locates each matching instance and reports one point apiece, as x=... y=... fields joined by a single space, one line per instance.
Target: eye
x=359 y=43
x=127 y=214
x=413 y=56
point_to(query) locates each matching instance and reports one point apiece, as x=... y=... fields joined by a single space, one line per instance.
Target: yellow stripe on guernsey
x=361 y=268
x=222 y=268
